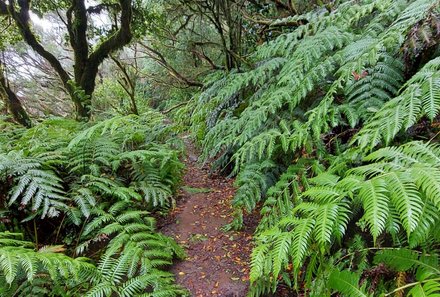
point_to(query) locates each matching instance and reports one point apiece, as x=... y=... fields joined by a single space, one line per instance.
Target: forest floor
x=217 y=262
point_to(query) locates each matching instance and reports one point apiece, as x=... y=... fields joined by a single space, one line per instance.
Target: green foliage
x=126 y=274
x=36 y=183
x=114 y=158
x=21 y=265
x=135 y=253
x=294 y=91
x=124 y=225
x=401 y=260
x=347 y=283
x=330 y=127
x=338 y=106
x=98 y=176
x=419 y=97
x=395 y=194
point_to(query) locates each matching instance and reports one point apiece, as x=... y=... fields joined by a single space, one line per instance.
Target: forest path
x=217 y=262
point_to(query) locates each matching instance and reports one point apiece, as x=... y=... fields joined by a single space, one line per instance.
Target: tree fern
x=331 y=76
x=330 y=90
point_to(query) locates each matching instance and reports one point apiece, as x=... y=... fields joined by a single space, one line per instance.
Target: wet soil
x=218 y=261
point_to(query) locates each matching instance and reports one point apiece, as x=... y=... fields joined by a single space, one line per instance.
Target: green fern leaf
x=429 y=289
x=406 y=198
x=347 y=283
x=300 y=240
x=372 y=195
x=428 y=180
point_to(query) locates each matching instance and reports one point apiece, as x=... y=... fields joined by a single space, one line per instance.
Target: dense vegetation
x=91 y=188
x=325 y=112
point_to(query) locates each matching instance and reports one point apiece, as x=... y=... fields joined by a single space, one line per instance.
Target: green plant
x=24 y=270
x=402 y=261
x=135 y=253
x=345 y=109
x=78 y=184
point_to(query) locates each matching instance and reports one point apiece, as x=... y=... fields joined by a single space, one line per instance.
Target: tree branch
x=281 y=5
x=96 y=9
x=158 y=57
x=22 y=20
x=203 y=56
x=118 y=39
x=275 y=22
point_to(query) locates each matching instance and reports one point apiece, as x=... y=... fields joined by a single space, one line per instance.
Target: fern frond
x=374 y=199
x=22 y=263
x=404 y=260
x=347 y=283
x=35 y=184
x=430 y=288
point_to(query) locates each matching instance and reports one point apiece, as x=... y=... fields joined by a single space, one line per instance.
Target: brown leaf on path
x=219 y=256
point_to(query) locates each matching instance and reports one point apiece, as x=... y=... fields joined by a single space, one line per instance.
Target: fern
x=404 y=260
x=89 y=180
x=297 y=83
x=19 y=263
x=134 y=251
x=94 y=156
x=347 y=283
x=375 y=203
x=429 y=288
x=419 y=97
x=331 y=90
x=284 y=194
x=36 y=184
x=128 y=129
x=123 y=226
x=426 y=265
x=394 y=183
x=125 y=274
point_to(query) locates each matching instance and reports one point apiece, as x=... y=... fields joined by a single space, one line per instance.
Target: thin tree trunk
x=13 y=104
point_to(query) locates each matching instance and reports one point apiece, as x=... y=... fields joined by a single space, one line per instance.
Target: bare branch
x=158 y=57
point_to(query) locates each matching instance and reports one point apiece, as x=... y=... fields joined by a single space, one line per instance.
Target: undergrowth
x=332 y=135
x=77 y=209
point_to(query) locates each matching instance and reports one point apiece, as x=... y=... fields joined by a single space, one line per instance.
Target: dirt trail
x=217 y=263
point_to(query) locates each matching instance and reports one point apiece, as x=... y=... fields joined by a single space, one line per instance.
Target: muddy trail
x=218 y=261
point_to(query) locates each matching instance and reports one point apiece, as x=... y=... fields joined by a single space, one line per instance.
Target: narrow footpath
x=218 y=261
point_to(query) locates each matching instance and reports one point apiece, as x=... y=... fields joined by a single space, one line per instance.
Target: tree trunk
x=80 y=87
x=13 y=104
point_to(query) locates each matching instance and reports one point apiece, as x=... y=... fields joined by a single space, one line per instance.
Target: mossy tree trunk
x=12 y=103
x=81 y=85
